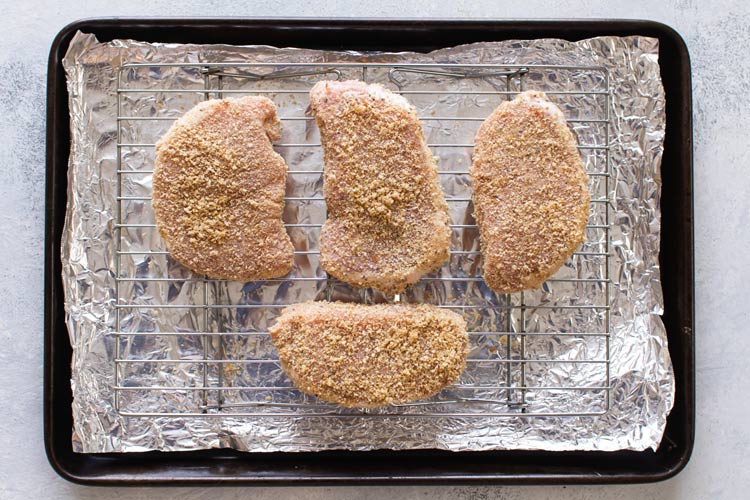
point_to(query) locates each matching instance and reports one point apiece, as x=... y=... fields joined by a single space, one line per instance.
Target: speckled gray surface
x=717 y=34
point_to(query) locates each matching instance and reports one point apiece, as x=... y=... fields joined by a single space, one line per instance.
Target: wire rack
x=190 y=346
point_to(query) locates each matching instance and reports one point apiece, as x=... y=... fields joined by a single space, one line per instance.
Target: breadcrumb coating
x=530 y=193
x=218 y=191
x=370 y=355
x=388 y=221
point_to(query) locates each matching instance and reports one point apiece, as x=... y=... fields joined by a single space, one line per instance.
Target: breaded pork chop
x=530 y=192
x=387 y=221
x=219 y=191
x=370 y=355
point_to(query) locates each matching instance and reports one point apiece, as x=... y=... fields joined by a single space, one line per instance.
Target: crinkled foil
x=640 y=370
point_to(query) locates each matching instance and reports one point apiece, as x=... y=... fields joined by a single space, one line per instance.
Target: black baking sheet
x=383 y=466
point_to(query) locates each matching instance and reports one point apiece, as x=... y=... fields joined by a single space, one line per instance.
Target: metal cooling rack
x=500 y=383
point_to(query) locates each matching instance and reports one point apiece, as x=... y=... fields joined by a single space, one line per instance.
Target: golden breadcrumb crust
x=218 y=191
x=370 y=355
x=388 y=221
x=530 y=192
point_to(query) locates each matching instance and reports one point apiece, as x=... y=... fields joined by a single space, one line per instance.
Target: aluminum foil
x=640 y=370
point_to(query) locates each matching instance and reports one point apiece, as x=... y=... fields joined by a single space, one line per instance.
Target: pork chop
x=218 y=191
x=370 y=355
x=387 y=221
x=530 y=192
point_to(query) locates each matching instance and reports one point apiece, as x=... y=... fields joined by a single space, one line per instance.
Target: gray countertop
x=717 y=34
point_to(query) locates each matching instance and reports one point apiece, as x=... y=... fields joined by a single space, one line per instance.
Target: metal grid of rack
x=230 y=375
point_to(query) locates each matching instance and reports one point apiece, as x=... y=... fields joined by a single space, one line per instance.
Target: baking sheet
x=642 y=381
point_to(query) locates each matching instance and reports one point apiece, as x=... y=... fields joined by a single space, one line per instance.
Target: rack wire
x=199 y=363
